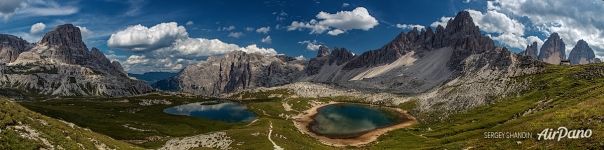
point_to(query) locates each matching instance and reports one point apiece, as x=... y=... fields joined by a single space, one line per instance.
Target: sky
x=159 y=35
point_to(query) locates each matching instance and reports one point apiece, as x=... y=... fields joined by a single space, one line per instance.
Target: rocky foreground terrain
x=61 y=64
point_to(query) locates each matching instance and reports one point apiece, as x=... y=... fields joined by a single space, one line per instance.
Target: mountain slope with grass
x=21 y=128
x=561 y=96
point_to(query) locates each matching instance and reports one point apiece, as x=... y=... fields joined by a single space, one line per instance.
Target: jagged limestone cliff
x=61 y=64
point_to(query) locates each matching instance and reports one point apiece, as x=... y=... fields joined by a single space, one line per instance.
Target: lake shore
x=303 y=120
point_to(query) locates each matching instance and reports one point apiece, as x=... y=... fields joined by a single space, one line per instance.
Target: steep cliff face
x=413 y=62
x=531 y=51
x=582 y=54
x=61 y=64
x=552 y=51
x=11 y=46
x=325 y=56
x=235 y=71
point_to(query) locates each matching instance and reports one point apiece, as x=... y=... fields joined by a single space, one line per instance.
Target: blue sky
x=192 y=30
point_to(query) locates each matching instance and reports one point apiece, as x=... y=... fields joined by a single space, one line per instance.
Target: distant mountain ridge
x=152 y=77
x=553 y=51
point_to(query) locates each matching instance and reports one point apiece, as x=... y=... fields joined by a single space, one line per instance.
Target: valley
x=561 y=96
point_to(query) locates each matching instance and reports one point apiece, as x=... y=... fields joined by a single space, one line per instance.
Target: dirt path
x=270 y=131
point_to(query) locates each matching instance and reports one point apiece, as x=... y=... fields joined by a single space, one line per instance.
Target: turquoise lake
x=350 y=120
x=225 y=111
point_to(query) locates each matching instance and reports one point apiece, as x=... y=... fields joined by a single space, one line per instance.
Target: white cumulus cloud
x=496 y=22
x=263 y=30
x=311 y=45
x=531 y=39
x=37 y=28
x=85 y=32
x=34 y=8
x=300 y=57
x=510 y=31
x=572 y=20
x=410 y=26
x=235 y=34
x=179 y=52
x=141 y=38
x=337 y=23
x=228 y=28
x=442 y=22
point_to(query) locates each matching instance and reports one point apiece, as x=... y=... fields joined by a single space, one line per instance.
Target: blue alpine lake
x=348 y=120
x=225 y=111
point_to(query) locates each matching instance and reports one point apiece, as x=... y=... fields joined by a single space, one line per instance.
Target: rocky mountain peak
x=553 y=50
x=462 y=24
x=11 y=46
x=461 y=34
x=323 y=51
x=65 y=36
x=582 y=54
x=340 y=56
x=42 y=68
x=582 y=44
x=64 y=44
x=531 y=51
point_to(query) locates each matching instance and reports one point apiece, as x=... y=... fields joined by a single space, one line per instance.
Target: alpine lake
x=349 y=120
x=225 y=111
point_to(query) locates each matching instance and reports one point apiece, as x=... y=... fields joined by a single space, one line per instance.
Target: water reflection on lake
x=350 y=120
x=221 y=111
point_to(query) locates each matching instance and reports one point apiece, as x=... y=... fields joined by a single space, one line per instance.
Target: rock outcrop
x=582 y=54
x=10 y=47
x=531 y=51
x=236 y=71
x=552 y=51
x=61 y=64
x=323 y=51
x=338 y=57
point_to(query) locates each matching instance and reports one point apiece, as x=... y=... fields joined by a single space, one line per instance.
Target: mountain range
x=553 y=52
x=152 y=77
x=443 y=66
x=414 y=62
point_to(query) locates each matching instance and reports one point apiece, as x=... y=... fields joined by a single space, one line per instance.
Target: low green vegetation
x=560 y=96
x=23 y=129
x=128 y=119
